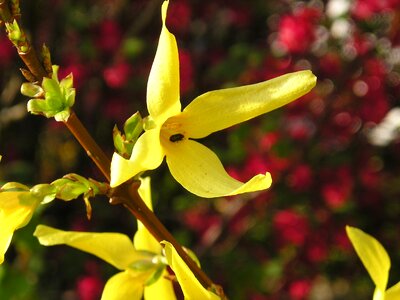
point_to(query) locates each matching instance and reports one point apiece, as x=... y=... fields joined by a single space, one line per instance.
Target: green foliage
x=59 y=97
x=123 y=142
x=16 y=36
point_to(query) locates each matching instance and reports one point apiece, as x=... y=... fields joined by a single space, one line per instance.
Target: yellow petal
x=143 y=240
x=372 y=254
x=378 y=294
x=162 y=287
x=115 y=248
x=191 y=287
x=393 y=293
x=123 y=286
x=221 y=109
x=199 y=170
x=147 y=154
x=16 y=210
x=5 y=240
x=163 y=84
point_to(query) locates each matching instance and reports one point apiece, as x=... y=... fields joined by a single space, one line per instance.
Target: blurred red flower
x=300 y=178
x=296 y=31
x=7 y=51
x=89 y=287
x=366 y=9
x=338 y=187
x=179 y=16
x=117 y=75
x=109 y=36
x=299 y=289
x=291 y=227
x=186 y=71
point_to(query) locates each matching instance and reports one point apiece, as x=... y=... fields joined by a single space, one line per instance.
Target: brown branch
x=126 y=194
x=88 y=143
x=29 y=56
x=32 y=62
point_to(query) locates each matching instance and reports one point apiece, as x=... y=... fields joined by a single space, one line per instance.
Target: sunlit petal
x=114 y=248
x=162 y=287
x=378 y=294
x=191 y=287
x=16 y=209
x=221 y=109
x=372 y=254
x=163 y=84
x=143 y=240
x=147 y=154
x=199 y=170
x=5 y=240
x=393 y=293
x=123 y=286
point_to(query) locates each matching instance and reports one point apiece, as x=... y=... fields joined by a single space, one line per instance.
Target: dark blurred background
x=333 y=154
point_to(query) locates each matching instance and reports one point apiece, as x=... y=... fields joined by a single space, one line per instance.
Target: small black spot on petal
x=176 y=137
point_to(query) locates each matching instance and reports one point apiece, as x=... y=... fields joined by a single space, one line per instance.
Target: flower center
x=172 y=131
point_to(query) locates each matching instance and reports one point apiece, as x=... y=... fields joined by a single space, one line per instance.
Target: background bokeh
x=333 y=155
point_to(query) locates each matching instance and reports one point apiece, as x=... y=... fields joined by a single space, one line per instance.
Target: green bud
x=133 y=127
x=119 y=142
x=59 y=97
x=72 y=186
x=23 y=49
x=148 y=123
x=28 y=75
x=44 y=191
x=31 y=90
x=14 y=32
x=47 y=59
x=62 y=116
x=124 y=143
x=67 y=82
x=14 y=186
x=67 y=189
x=16 y=36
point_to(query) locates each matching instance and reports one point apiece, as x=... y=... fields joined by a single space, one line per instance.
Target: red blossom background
x=328 y=167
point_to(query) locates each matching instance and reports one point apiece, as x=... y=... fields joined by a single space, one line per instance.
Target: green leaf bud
x=67 y=189
x=31 y=90
x=133 y=127
x=14 y=186
x=119 y=140
x=44 y=191
x=59 y=97
x=47 y=59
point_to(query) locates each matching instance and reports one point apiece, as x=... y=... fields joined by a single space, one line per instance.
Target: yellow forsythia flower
x=377 y=262
x=170 y=132
x=191 y=287
x=16 y=210
x=118 y=250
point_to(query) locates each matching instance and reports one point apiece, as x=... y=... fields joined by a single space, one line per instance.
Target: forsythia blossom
x=377 y=262
x=170 y=132
x=16 y=210
x=140 y=262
